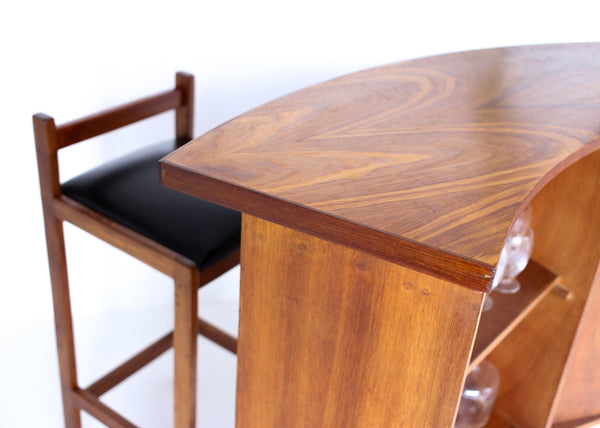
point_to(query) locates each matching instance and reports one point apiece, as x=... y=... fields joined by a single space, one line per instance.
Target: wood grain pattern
x=332 y=337
x=438 y=152
x=532 y=359
x=423 y=164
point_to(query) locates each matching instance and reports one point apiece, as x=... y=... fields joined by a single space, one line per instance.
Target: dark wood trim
x=45 y=137
x=184 y=114
x=159 y=257
x=63 y=318
x=109 y=120
x=129 y=367
x=44 y=130
x=217 y=335
x=216 y=270
x=92 y=405
x=468 y=273
x=153 y=351
x=185 y=339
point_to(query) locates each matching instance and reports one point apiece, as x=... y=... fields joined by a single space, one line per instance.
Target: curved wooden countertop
x=424 y=163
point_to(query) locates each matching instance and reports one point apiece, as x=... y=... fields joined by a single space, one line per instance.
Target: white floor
x=29 y=386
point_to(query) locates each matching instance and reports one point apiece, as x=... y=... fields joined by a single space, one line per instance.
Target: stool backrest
x=49 y=138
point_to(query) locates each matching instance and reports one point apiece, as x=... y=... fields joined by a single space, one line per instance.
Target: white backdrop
x=68 y=58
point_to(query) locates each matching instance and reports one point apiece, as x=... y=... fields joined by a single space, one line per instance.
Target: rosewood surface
x=423 y=163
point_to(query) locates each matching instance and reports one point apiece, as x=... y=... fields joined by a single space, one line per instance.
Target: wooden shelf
x=509 y=309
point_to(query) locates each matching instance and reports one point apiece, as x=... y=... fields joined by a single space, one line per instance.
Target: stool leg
x=184 y=343
x=62 y=318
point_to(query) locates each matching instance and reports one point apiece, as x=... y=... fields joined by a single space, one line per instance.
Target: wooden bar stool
x=123 y=204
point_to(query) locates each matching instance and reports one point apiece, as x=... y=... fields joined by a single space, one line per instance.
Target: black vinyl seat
x=128 y=191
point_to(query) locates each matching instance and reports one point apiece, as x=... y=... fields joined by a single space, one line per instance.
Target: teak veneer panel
x=333 y=337
x=424 y=163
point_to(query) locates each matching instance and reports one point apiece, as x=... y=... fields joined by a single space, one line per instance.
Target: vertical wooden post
x=184 y=343
x=331 y=336
x=184 y=115
x=46 y=149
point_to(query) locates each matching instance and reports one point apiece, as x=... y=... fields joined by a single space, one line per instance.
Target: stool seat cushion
x=128 y=192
